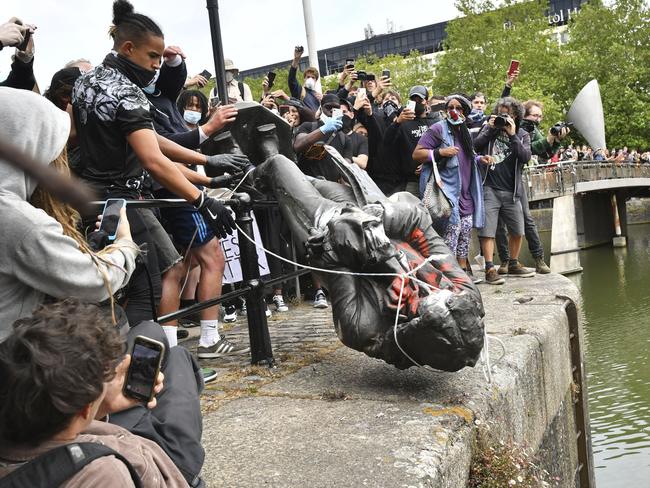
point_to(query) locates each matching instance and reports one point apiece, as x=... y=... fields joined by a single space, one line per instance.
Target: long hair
x=69 y=220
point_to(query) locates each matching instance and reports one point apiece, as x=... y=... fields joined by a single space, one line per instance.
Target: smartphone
x=271 y=76
x=300 y=49
x=28 y=33
x=361 y=91
x=214 y=102
x=206 y=74
x=349 y=63
x=146 y=357
x=111 y=216
x=514 y=66
x=337 y=113
x=386 y=73
x=411 y=105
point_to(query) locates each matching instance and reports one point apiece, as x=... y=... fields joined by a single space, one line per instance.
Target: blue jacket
x=451 y=184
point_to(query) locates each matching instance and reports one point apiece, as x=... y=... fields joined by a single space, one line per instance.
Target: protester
x=40 y=249
x=42 y=408
x=509 y=147
x=185 y=224
x=448 y=144
x=543 y=148
x=306 y=93
x=117 y=141
x=238 y=91
x=402 y=137
x=357 y=148
x=12 y=34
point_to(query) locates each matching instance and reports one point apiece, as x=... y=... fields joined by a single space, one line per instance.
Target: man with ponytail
x=117 y=143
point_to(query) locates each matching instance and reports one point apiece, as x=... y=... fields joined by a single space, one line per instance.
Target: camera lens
x=500 y=122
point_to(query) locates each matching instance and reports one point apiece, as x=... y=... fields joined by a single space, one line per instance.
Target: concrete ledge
x=350 y=420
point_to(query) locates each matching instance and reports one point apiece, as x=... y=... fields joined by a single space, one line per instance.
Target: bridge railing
x=545 y=181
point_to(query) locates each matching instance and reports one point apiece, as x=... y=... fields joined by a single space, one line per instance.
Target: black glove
x=216 y=215
x=222 y=181
x=226 y=163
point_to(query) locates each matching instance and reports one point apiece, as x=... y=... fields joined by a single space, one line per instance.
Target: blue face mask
x=476 y=115
x=149 y=89
x=192 y=117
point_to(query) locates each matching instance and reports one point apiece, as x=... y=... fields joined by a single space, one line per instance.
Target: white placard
x=230 y=245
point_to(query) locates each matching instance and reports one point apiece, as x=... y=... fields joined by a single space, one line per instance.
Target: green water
x=615 y=286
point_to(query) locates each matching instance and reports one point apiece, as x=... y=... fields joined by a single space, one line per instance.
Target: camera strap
x=58 y=465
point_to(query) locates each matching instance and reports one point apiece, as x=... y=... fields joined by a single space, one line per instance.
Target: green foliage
x=612 y=45
x=481 y=44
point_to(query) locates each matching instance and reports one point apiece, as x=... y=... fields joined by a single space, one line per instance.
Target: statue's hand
x=314 y=244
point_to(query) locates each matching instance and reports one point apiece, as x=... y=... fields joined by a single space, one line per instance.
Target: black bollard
x=258 y=329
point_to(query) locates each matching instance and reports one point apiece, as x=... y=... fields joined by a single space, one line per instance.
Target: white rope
x=232 y=192
x=404 y=277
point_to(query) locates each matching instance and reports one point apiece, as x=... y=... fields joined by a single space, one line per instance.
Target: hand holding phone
x=410 y=105
x=385 y=73
x=337 y=113
x=514 y=66
x=271 y=77
x=111 y=217
x=142 y=375
x=206 y=74
x=361 y=92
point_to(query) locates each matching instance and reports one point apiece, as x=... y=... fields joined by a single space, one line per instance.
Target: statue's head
x=448 y=334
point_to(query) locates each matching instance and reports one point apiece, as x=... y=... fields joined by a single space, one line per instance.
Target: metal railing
x=546 y=181
x=252 y=287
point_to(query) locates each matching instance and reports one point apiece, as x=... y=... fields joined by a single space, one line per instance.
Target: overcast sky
x=254 y=34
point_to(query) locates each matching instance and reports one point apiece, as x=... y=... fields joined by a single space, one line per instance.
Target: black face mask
x=419 y=109
x=348 y=124
x=390 y=108
x=136 y=74
x=529 y=125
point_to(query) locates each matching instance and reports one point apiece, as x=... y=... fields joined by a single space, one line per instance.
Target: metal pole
x=258 y=330
x=309 y=30
x=217 y=50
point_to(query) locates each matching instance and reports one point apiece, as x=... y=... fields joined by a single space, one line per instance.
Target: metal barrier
x=252 y=285
x=546 y=181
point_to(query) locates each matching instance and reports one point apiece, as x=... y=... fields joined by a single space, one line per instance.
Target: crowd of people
x=131 y=127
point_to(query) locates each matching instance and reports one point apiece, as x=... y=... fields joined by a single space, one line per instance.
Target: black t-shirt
x=502 y=177
x=107 y=108
x=357 y=145
x=323 y=168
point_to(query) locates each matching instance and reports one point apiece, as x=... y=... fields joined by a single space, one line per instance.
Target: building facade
x=426 y=40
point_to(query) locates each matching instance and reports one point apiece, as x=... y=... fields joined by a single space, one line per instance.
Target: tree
x=611 y=44
x=481 y=44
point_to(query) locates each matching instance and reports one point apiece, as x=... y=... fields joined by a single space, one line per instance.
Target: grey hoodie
x=36 y=258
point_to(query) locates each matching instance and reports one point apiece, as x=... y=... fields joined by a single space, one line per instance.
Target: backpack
x=55 y=467
x=241 y=89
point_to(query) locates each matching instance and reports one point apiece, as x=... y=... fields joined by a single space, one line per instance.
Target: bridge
x=588 y=200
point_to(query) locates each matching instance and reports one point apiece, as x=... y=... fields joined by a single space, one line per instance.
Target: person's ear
x=86 y=411
x=127 y=48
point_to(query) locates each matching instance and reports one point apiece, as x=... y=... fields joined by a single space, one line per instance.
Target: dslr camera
x=557 y=128
x=500 y=121
x=362 y=76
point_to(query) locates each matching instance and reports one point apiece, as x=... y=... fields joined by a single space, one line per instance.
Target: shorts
x=500 y=203
x=183 y=223
x=163 y=246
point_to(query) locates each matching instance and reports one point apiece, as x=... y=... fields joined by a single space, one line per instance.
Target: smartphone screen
x=411 y=105
x=111 y=217
x=349 y=63
x=146 y=356
x=514 y=66
x=386 y=73
x=337 y=113
x=361 y=92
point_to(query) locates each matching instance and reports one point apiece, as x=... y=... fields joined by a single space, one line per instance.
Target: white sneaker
x=320 y=301
x=280 y=306
x=230 y=314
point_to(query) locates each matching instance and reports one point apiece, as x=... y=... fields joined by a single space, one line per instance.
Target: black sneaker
x=520 y=271
x=230 y=314
x=320 y=301
x=220 y=348
x=503 y=269
x=181 y=334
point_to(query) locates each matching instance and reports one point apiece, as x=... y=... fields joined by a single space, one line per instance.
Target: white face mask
x=192 y=116
x=310 y=83
x=229 y=76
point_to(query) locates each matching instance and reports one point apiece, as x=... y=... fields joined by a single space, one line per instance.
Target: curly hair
x=53 y=365
x=515 y=106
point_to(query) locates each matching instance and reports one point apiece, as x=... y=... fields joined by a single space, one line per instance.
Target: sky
x=254 y=33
